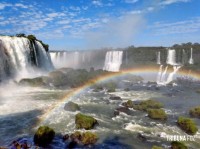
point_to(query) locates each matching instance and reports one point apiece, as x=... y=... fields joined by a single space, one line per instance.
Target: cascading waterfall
x=19 y=55
x=171 y=75
x=191 y=61
x=163 y=76
x=159 y=75
x=113 y=61
x=171 y=57
x=158 y=58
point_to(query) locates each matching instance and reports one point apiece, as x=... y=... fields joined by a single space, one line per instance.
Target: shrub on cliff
x=44 y=136
x=187 y=125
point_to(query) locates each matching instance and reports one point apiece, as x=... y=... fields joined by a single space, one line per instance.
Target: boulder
x=187 y=125
x=128 y=104
x=115 y=98
x=85 y=121
x=34 y=82
x=178 y=145
x=122 y=109
x=147 y=104
x=44 y=136
x=195 y=112
x=157 y=114
x=88 y=138
x=71 y=106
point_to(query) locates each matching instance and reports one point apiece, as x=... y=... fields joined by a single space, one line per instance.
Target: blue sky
x=91 y=24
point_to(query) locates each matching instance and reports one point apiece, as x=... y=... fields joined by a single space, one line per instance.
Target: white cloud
x=181 y=27
x=131 y=1
x=4 y=5
x=168 y=2
x=97 y=3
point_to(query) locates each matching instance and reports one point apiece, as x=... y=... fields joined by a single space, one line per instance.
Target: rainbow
x=136 y=71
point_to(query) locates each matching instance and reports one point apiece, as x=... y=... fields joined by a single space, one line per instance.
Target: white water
x=191 y=61
x=159 y=74
x=171 y=57
x=158 y=58
x=69 y=59
x=17 y=57
x=113 y=61
x=171 y=75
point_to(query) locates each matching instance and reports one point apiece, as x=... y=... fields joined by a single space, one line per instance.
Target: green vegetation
x=44 y=136
x=158 y=114
x=84 y=121
x=110 y=86
x=195 y=112
x=187 y=125
x=128 y=104
x=35 y=82
x=178 y=145
x=156 y=147
x=147 y=104
x=86 y=138
x=89 y=138
x=31 y=37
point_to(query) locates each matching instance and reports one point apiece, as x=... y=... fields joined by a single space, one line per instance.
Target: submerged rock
x=178 y=145
x=157 y=114
x=71 y=106
x=141 y=137
x=85 y=121
x=187 y=125
x=195 y=112
x=115 y=98
x=44 y=136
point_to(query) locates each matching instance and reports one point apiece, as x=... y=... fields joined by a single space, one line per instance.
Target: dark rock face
x=71 y=106
x=122 y=109
x=115 y=98
x=84 y=121
x=44 y=136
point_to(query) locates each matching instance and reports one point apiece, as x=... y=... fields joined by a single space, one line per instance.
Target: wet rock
x=122 y=109
x=44 y=136
x=85 y=121
x=88 y=138
x=187 y=125
x=71 y=106
x=178 y=145
x=141 y=137
x=195 y=112
x=116 y=113
x=115 y=98
x=128 y=104
x=65 y=137
x=147 y=104
x=34 y=82
x=157 y=114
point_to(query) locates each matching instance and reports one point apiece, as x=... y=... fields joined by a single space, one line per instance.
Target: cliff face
x=131 y=57
x=19 y=54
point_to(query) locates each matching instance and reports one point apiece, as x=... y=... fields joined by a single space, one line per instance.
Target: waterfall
x=19 y=55
x=113 y=61
x=171 y=75
x=159 y=75
x=171 y=57
x=158 y=58
x=191 y=61
x=163 y=76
